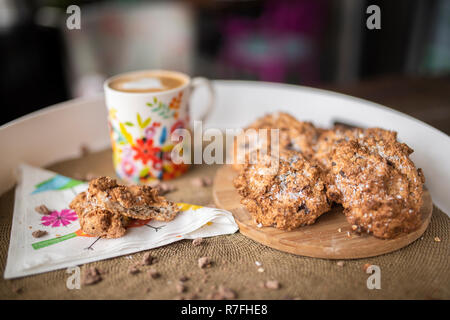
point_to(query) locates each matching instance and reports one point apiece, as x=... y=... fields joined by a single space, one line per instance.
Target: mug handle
x=199 y=81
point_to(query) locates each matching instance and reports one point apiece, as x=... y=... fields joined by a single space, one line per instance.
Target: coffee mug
x=144 y=109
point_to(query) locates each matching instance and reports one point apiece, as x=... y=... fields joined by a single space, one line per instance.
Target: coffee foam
x=143 y=84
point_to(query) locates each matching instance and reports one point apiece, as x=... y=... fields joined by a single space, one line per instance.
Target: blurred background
x=320 y=43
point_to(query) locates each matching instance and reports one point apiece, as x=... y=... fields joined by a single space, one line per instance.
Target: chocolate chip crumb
x=183 y=279
x=147 y=259
x=272 y=284
x=91 y=276
x=154 y=274
x=42 y=209
x=196 y=242
x=204 y=262
x=39 y=233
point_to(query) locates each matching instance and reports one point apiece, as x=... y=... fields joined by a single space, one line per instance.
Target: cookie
x=328 y=140
x=286 y=197
x=137 y=202
x=293 y=135
x=376 y=183
x=96 y=221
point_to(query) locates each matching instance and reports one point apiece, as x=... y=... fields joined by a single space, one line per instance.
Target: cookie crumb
x=366 y=266
x=259 y=264
x=165 y=188
x=154 y=274
x=147 y=259
x=180 y=287
x=339 y=230
x=437 y=239
x=259 y=225
x=90 y=176
x=340 y=263
x=196 y=242
x=192 y=296
x=91 y=276
x=42 y=209
x=223 y=293
x=133 y=269
x=201 y=181
x=272 y=284
x=204 y=262
x=348 y=234
x=84 y=150
x=207 y=181
x=227 y=293
x=39 y=233
x=18 y=290
x=260 y=269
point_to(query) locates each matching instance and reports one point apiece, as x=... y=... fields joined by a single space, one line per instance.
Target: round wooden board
x=320 y=240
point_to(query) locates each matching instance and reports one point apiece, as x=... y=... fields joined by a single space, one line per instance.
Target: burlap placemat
x=418 y=271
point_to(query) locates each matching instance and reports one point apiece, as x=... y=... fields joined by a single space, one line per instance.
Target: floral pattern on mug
x=146 y=156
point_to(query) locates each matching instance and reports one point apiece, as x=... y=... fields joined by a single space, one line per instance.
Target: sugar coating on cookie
x=286 y=196
x=292 y=135
x=138 y=202
x=376 y=183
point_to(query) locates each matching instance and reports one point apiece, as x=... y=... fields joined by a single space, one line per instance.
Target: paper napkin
x=65 y=245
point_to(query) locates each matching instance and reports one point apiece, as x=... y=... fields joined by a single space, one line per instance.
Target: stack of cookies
x=367 y=171
x=107 y=207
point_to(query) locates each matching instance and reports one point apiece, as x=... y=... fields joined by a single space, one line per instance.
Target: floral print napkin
x=65 y=245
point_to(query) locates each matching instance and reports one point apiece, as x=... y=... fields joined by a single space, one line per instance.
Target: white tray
x=57 y=132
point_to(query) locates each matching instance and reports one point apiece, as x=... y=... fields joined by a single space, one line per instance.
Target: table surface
x=419 y=271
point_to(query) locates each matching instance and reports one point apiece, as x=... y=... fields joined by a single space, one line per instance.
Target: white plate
x=56 y=133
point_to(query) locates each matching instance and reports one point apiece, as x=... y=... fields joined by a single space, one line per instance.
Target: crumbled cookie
x=91 y=276
x=377 y=184
x=39 y=233
x=204 y=262
x=96 y=221
x=293 y=135
x=42 y=209
x=287 y=193
x=137 y=202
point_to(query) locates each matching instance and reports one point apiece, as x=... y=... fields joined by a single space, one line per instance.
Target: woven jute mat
x=418 y=271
